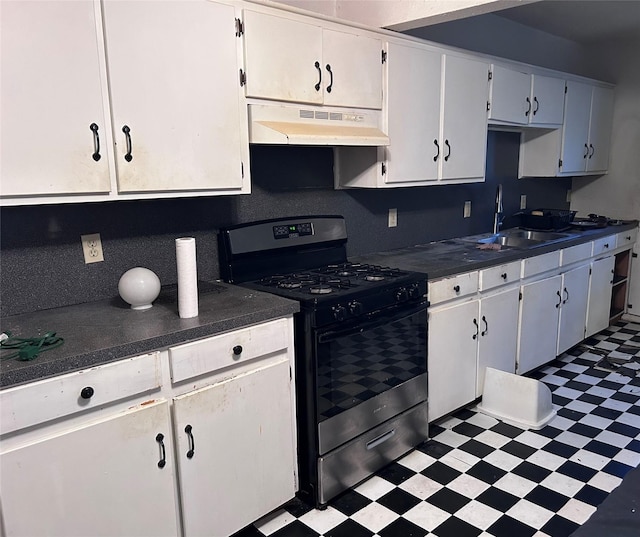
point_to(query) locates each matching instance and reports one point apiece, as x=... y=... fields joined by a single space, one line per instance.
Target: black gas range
x=360 y=344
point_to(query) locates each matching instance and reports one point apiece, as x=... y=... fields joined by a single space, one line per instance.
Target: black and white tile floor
x=478 y=476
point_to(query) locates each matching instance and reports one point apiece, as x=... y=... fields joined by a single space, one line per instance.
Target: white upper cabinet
x=464 y=119
x=600 y=129
x=54 y=124
x=176 y=96
x=293 y=60
x=521 y=98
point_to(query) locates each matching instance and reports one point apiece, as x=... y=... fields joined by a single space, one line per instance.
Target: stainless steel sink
x=509 y=240
x=519 y=238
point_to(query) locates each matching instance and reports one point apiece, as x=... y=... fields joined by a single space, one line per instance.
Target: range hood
x=314 y=125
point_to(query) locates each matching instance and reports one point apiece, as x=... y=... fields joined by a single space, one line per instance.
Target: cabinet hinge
x=242 y=169
x=590 y=271
x=290 y=374
x=519 y=296
x=560 y=163
x=384 y=56
x=634 y=254
x=490 y=74
x=384 y=168
x=239 y=28
x=243 y=78
x=629 y=306
x=488 y=106
x=565 y=87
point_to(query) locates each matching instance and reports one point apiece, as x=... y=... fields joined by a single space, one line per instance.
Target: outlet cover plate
x=92 y=248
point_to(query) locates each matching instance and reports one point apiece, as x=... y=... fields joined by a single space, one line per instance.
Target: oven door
x=369 y=371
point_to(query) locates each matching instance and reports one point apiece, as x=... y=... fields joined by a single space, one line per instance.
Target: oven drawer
x=453 y=287
x=228 y=349
x=358 y=459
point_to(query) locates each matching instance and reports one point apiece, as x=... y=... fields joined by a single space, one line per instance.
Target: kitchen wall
x=41 y=261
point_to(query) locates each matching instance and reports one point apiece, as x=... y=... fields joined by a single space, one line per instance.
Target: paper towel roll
x=187 y=277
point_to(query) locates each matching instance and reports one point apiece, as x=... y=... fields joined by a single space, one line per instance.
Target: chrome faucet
x=498 y=217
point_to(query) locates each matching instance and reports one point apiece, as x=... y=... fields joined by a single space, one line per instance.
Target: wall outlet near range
x=467 y=209
x=393 y=217
x=92 y=248
x=523 y=201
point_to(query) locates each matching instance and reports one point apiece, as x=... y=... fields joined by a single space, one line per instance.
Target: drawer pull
x=380 y=439
x=192 y=444
x=237 y=350
x=606 y=245
x=628 y=237
x=503 y=275
x=87 y=392
x=456 y=288
x=163 y=455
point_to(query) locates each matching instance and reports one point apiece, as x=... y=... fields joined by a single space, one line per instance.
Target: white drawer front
x=228 y=349
x=453 y=287
x=45 y=400
x=540 y=263
x=576 y=253
x=500 y=275
x=626 y=238
x=604 y=245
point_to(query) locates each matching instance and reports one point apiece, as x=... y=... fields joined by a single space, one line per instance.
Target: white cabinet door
x=51 y=97
x=174 y=79
x=600 y=129
x=464 y=118
x=547 y=100
x=498 y=334
x=413 y=114
x=101 y=479
x=283 y=58
x=538 y=326
x=352 y=67
x=599 y=295
x=235 y=450
x=453 y=345
x=509 y=95
x=573 y=309
x=575 y=136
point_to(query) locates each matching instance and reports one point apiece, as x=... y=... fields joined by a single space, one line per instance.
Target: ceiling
x=582 y=21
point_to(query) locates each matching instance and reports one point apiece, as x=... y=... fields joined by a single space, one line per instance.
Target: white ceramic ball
x=139 y=287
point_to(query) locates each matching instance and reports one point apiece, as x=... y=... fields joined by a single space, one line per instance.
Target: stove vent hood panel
x=313 y=125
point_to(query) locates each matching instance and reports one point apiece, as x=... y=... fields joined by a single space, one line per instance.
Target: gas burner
x=344 y=273
x=320 y=289
x=375 y=277
x=290 y=284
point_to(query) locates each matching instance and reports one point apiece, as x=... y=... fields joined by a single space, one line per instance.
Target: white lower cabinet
x=498 y=340
x=599 y=304
x=235 y=452
x=573 y=308
x=453 y=346
x=102 y=478
x=538 y=323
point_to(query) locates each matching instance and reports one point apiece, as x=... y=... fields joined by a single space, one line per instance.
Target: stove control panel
x=292 y=230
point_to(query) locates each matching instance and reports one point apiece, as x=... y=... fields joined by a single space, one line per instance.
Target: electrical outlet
x=393 y=217
x=568 y=195
x=467 y=209
x=92 y=248
x=523 y=201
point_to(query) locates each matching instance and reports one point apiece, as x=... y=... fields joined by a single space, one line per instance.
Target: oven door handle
x=378 y=320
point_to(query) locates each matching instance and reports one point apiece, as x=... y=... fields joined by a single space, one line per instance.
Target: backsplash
x=42 y=266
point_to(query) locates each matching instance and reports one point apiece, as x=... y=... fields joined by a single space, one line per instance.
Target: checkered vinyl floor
x=478 y=476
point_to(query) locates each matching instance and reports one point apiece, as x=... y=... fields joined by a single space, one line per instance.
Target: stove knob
x=339 y=313
x=402 y=295
x=414 y=291
x=355 y=308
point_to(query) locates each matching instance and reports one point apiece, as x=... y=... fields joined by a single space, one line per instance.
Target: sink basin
x=519 y=238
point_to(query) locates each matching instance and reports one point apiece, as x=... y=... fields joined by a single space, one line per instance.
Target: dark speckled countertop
x=103 y=331
x=449 y=257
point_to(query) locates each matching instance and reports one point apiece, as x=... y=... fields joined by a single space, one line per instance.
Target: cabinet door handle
x=317 y=86
x=566 y=293
x=528 y=107
x=475 y=322
x=593 y=150
x=192 y=445
x=586 y=151
x=127 y=136
x=535 y=110
x=96 y=142
x=446 y=158
x=328 y=68
x=438 y=153
x=163 y=455
x=559 y=299
x=486 y=326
